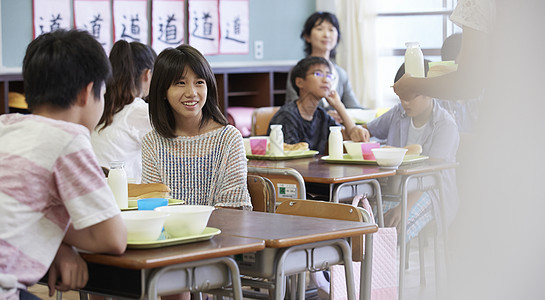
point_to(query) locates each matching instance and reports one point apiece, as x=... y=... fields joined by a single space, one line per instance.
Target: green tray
x=348 y=160
x=288 y=155
x=208 y=233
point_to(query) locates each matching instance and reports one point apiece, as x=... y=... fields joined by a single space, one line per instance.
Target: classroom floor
x=413 y=289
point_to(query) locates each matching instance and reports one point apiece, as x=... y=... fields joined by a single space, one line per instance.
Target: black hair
x=301 y=68
x=59 y=64
x=318 y=18
x=401 y=70
x=169 y=67
x=129 y=61
x=451 y=47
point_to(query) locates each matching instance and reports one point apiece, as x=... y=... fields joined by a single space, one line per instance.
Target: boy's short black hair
x=301 y=68
x=451 y=47
x=59 y=64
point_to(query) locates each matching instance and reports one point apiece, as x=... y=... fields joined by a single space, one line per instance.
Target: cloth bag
x=384 y=284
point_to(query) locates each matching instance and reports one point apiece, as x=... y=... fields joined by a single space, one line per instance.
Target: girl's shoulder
x=153 y=136
x=231 y=132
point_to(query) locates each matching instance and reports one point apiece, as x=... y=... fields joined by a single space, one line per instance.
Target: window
x=399 y=21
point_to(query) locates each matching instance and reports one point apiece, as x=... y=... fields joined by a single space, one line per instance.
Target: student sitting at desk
x=125 y=121
x=53 y=194
x=192 y=149
x=420 y=120
x=304 y=120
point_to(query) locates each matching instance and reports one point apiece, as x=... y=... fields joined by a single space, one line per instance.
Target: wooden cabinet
x=251 y=86
x=9 y=83
x=237 y=86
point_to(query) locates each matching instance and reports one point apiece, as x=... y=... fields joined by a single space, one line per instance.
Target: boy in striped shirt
x=53 y=194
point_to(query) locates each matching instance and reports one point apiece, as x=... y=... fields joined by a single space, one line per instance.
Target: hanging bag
x=384 y=285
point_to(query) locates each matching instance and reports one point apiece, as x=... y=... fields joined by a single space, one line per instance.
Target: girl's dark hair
x=301 y=68
x=59 y=64
x=318 y=18
x=169 y=67
x=129 y=61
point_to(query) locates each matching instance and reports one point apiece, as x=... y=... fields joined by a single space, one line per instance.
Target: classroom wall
x=277 y=23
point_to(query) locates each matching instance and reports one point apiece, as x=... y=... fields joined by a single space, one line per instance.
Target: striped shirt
x=49 y=177
x=208 y=169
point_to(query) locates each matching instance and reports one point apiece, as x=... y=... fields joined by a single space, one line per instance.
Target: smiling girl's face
x=187 y=96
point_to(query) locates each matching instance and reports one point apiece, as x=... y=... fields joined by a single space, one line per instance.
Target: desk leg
x=334 y=191
x=441 y=256
x=280 y=277
x=403 y=235
x=302 y=286
x=366 y=269
x=229 y=262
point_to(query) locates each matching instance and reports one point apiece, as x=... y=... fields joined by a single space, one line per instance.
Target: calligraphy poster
x=50 y=15
x=234 y=26
x=95 y=16
x=167 y=24
x=204 y=26
x=131 y=20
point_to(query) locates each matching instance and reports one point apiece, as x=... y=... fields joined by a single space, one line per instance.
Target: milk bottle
x=277 y=140
x=414 y=60
x=335 y=142
x=117 y=180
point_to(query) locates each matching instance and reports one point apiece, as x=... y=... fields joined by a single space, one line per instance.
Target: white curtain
x=357 y=52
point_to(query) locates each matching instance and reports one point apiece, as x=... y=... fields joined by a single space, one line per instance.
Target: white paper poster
x=131 y=20
x=95 y=16
x=204 y=26
x=167 y=24
x=235 y=27
x=50 y=15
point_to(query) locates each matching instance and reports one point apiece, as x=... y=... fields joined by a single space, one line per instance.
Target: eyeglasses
x=319 y=74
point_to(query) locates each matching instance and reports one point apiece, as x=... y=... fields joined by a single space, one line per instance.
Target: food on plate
x=149 y=190
x=412 y=149
x=302 y=146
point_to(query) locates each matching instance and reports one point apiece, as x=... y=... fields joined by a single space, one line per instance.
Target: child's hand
x=68 y=271
x=392 y=217
x=404 y=87
x=359 y=134
x=333 y=99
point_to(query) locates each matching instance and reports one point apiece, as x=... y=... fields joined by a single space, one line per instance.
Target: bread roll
x=413 y=149
x=149 y=190
x=302 y=146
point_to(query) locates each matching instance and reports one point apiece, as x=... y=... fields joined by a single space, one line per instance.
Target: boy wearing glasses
x=303 y=120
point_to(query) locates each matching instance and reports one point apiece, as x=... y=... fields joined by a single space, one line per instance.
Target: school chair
x=337 y=211
x=262 y=193
x=261 y=117
x=287 y=182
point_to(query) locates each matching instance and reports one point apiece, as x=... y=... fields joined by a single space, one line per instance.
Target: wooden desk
x=295 y=244
x=426 y=176
x=192 y=267
x=337 y=176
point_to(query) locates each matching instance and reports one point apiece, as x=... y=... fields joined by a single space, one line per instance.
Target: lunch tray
x=349 y=160
x=288 y=155
x=208 y=233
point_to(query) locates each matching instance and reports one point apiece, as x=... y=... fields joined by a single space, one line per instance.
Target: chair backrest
x=261 y=117
x=288 y=183
x=262 y=193
x=326 y=210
